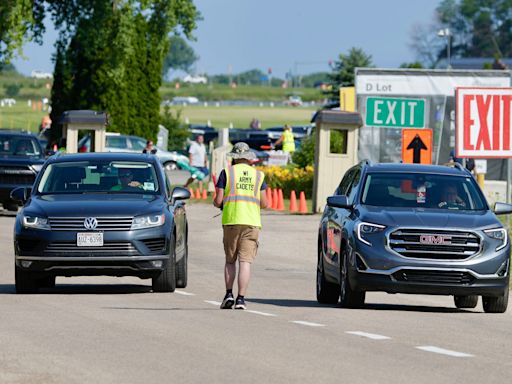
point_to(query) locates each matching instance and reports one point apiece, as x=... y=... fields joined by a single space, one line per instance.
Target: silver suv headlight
x=35 y=222
x=366 y=230
x=148 y=221
x=498 y=234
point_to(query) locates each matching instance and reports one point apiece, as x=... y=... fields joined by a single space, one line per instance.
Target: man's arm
x=263 y=199
x=219 y=196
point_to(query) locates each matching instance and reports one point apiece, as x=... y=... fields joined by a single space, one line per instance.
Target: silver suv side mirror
x=502 y=208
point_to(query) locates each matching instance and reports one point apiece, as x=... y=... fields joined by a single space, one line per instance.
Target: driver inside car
x=450 y=197
x=126 y=180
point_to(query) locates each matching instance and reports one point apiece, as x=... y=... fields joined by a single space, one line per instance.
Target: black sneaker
x=228 y=301
x=240 y=303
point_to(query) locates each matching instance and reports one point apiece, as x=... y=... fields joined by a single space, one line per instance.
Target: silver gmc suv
x=410 y=228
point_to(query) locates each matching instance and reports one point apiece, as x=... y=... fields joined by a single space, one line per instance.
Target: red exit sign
x=483 y=122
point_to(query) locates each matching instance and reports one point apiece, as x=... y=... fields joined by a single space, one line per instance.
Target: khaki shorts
x=240 y=242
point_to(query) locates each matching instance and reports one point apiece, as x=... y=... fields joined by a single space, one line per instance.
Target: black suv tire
x=182 y=270
x=166 y=280
x=349 y=298
x=496 y=304
x=25 y=282
x=465 y=301
x=326 y=292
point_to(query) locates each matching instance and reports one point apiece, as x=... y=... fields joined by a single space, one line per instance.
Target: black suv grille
x=437 y=245
x=104 y=223
x=18 y=175
x=434 y=277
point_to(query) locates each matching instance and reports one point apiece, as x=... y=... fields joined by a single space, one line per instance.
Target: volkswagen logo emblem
x=90 y=223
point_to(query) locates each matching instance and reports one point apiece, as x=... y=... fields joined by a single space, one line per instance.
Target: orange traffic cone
x=280 y=202
x=198 y=194
x=191 y=193
x=204 y=195
x=303 y=208
x=269 y=197
x=293 y=202
x=275 y=199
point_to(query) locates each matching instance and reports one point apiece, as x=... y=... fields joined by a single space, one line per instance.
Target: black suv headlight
x=149 y=221
x=366 y=230
x=498 y=234
x=35 y=222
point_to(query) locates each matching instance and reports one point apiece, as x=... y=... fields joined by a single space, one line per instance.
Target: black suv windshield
x=96 y=176
x=14 y=145
x=418 y=190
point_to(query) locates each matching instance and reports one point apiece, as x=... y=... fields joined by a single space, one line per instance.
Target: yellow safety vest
x=288 y=142
x=242 y=196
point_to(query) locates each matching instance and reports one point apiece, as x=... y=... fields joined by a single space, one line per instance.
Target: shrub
x=290 y=178
x=178 y=132
x=12 y=90
x=305 y=154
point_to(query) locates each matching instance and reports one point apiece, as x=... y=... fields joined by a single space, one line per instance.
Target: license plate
x=91 y=239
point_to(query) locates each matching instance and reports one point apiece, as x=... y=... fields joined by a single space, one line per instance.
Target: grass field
x=240 y=117
x=21 y=116
x=218 y=92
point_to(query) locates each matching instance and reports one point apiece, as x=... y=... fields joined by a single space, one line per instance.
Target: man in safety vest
x=240 y=193
x=287 y=140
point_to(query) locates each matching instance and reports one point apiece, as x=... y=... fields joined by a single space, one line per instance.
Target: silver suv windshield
x=95 y=176
x=418 y=190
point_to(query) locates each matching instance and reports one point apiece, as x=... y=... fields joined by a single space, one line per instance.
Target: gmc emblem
x=435 y=239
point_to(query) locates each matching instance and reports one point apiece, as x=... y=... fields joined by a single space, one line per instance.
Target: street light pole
x=445 y=32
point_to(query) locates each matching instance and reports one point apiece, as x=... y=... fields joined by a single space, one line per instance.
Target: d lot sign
x=483 y=122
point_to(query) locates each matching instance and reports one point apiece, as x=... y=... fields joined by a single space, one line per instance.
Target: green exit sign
x=395 y=112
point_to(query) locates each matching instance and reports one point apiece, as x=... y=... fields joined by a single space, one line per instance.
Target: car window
x=418 y=190
x=345 y=182
x=13 y=145
x=138 y=144
x=96 y=176
x=118 y=142
x=352 y=191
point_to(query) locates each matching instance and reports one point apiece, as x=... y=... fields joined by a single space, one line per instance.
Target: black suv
x=101 y=214
x=21 y=158
x=410 y=228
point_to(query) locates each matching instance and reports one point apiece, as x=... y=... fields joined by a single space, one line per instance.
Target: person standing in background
x=198 y=159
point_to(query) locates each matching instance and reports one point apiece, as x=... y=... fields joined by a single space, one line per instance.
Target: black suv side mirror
x=502 y=208
x=20 y=194
x=338 y=201
x=179 y=193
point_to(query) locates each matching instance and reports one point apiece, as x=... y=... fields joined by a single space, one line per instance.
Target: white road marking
x=372 y=336
x=261 y=313
x=213 y=302
x=185 y=293
x=442 y=351
x=307 y=323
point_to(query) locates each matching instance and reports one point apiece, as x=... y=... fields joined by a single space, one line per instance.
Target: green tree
x=111 y=57
x=415 y=64
x=479 y=28
x=305 y=155
x=20 y=21
x=342 y=74
x=180 y=55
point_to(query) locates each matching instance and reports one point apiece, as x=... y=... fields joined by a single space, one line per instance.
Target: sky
x=300 y=36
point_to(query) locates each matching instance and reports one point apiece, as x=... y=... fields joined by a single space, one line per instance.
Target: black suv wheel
x=349 y=298
x=326 y=292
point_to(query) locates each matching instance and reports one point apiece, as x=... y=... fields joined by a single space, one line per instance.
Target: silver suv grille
x=104 y=223
x=433 y=244
x=66 y=248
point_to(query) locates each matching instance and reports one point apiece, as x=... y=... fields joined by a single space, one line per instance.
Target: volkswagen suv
x=101 y=214
x=410 y=228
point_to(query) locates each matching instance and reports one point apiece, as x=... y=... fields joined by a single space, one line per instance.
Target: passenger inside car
x=450 y=197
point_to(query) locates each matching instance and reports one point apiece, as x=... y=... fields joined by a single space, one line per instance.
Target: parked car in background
x=184 y=100
x=209 y=133
x=21 y=158
x=36 y=74
x=256 y=138
x=293 y=101
x=101 y=214
x=115 y=142
x=195 y=79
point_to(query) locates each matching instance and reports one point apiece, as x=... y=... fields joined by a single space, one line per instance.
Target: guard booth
x=335 y=151
x=74 y=121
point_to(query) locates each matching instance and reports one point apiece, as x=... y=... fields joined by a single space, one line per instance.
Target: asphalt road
x=114 y=330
